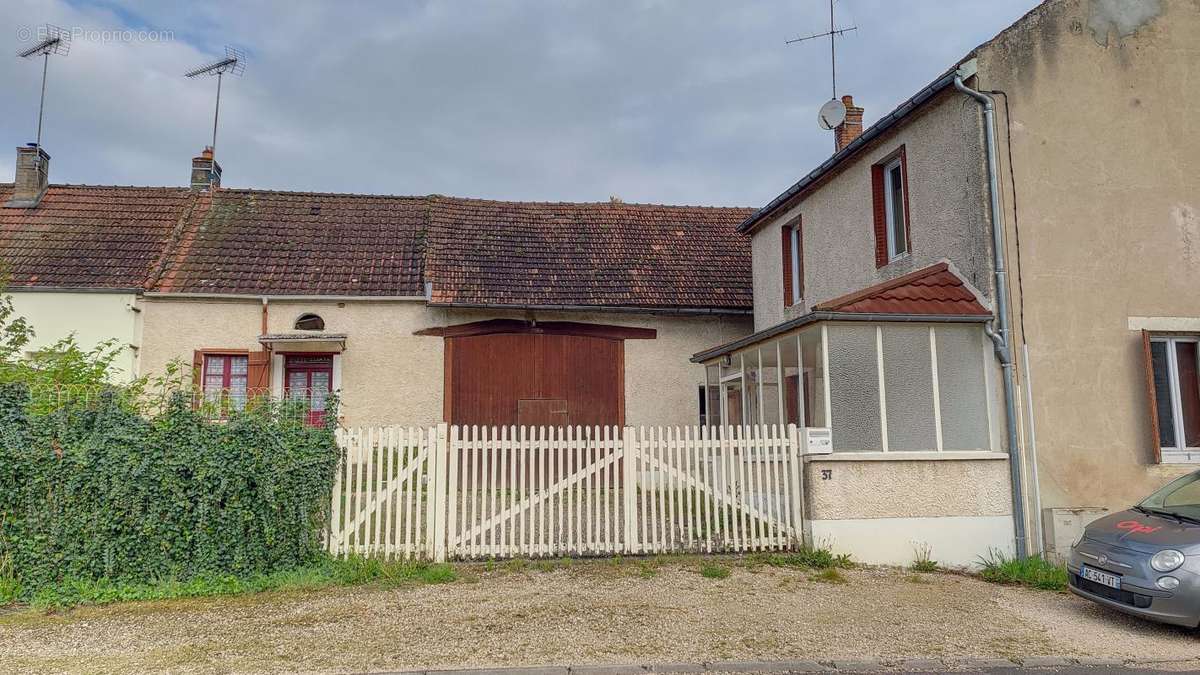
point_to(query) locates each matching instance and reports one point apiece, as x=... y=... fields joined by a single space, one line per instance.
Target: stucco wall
x=884 y=511
x=390 y=376
x=908 y=488
x=943 y=147
x=92 y=317
x=1105 y=143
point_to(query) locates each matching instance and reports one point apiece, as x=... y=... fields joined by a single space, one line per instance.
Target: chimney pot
x=206 y=172
x=850 y=128
x=32 y=177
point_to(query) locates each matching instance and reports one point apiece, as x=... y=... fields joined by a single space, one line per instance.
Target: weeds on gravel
x=809 y=557
x=829 y=575
x=330 y=572
x=923 y=558
x=710 y=570
x=1034 y=571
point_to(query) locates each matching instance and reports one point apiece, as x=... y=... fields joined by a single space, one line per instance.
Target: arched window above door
x=310 y=321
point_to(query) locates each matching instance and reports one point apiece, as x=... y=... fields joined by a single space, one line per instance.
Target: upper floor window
x=792 y=243
x=890 y=187
x=310 y=322
x=897 y=228
x=1175 y=370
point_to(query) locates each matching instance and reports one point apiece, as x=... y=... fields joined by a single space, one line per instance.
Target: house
x=992 y=287
x=76 y=257
x=416 y=310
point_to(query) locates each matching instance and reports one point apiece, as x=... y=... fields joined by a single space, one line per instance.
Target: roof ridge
x=484 y=200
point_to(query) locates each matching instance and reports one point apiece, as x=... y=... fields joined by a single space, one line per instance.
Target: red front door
x=309 y=378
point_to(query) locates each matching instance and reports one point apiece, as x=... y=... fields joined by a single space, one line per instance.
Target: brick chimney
x=32 y=177
x=851 y=127
x=206 y=172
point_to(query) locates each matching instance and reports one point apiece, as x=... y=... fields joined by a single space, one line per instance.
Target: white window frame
x=1177 y=452
x=893 y=247
x=796 y=268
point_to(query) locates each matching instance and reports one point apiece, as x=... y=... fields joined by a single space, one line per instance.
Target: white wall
x=92 y=317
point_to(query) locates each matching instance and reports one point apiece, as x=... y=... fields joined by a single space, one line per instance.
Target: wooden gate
x=499 y=492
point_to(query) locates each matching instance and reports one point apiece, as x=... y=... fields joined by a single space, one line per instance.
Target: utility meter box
x=816 y=441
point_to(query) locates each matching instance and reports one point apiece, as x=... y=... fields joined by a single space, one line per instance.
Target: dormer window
x=310 y=322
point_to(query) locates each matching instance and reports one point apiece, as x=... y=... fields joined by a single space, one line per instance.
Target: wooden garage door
x=534 y=379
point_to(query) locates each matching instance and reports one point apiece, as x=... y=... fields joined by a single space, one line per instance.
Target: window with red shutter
x=792 y=246
x=786 y=245
x=889 y=187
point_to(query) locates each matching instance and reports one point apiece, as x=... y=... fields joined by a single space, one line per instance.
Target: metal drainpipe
x=1001 y=339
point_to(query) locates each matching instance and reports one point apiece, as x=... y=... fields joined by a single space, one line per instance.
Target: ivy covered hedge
x=97 y=488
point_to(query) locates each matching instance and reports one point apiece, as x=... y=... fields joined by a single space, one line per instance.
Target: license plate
x=1104 y=578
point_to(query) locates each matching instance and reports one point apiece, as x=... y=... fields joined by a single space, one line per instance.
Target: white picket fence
x=498 y=492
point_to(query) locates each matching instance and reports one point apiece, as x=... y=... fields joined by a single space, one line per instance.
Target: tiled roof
x=299 y=243
x=473 y=252
x=608 y=254
x=89 y=236
x=934 y=290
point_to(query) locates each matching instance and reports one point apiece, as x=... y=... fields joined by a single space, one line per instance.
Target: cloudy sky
x=670 y=101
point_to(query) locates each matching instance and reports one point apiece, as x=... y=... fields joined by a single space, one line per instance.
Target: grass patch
x=10 y=588
x=1034 y=571
x=829 y=575
x=329 y=572
x=647 y=569
x=710 y=570
x=818 y=558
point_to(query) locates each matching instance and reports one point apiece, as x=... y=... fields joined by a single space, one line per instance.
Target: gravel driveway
x=598 y=612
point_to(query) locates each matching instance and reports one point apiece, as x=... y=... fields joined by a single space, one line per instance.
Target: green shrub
x=1034 y=571
x=714 y=571
x=97 y=496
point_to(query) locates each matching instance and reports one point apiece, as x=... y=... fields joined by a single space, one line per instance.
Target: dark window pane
x=1189 y=392
x=899 y=238
x=1162 y=394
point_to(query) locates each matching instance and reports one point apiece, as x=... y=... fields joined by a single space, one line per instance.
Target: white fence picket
x=475 y=492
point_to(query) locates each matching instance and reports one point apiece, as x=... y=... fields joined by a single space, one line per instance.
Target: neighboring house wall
x=1106 y=150
x=947 y=208
x=390 y=376
x=93 y=318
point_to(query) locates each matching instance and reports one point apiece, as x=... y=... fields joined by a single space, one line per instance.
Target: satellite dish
x=832 y=114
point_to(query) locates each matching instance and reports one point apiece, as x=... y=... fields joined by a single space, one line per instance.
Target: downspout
x=1001 y=338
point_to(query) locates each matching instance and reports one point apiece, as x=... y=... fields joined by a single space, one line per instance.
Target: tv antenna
x=234 y=63
x=54 y=41
x=833 y=112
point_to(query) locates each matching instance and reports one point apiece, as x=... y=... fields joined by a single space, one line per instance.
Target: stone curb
x=788 y=666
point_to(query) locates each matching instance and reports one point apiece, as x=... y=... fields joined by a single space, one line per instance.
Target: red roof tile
x=606 y=254
x=935 y=290
x=473 y=252
x=299 y=243
x=89 y=236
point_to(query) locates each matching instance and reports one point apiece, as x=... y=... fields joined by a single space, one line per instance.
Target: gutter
x=73 y=289
x=1001 y=337
x=887 y=122
x=814 y=317
x=260 y=297
x=702 y=311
